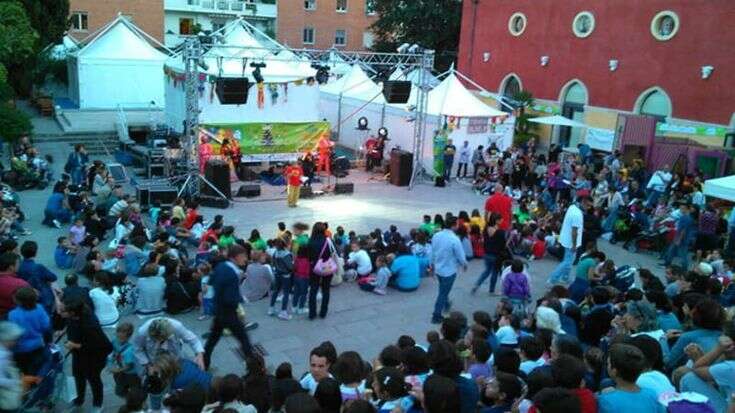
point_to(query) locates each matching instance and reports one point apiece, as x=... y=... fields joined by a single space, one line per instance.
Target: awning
x=722 y=188
x=558 y=120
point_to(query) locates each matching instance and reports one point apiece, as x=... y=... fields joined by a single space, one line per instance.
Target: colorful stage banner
x=269 y=141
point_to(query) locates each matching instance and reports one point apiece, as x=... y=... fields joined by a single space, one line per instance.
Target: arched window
x=655 y=103
x=511 y=86
x=574 y=97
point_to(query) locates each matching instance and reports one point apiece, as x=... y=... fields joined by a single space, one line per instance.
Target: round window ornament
x=665 y=25
x=517 y=24
x=583 y=24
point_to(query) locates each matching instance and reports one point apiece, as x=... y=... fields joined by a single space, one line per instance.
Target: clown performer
x=205 y=152
x=324 y=147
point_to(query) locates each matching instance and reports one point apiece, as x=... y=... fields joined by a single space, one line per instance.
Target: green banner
x=673 y=128
x=269 y=141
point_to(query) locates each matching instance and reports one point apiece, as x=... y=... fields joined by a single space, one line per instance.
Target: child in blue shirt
x=378 y=283
x=121 y=361
x=625 y=363
x=63 y=255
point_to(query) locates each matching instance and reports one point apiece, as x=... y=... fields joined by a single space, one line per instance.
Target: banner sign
x=551 y=110
x=501 y=134
x=269 y=141
x=600 y=139
x=712 y=131
x=477 y=125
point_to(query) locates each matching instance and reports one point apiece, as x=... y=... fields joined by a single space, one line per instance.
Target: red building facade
x=651 y=57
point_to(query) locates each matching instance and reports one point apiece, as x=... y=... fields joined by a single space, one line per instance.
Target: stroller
x=653 y=240
x=50 y=382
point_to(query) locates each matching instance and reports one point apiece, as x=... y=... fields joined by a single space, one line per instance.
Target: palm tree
x=524 y=129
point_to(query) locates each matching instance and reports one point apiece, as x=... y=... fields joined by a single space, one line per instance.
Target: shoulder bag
x=325 y=267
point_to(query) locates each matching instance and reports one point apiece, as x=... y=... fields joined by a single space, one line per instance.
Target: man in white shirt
x=360 y=259
x=464 y=158
x=570 y=238
x=657 y=185
x=447 y=258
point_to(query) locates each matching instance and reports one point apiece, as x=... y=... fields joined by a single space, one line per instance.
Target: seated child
x=516 y=286
x=499 y=395
x=625 y=364
x=64 y=253
x=480 y=353
x=538 y=250
x=532 y=351
x=377 y=283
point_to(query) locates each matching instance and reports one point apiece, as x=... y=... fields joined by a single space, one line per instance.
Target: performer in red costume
x=205 y=152
x=324 y=147
x=374 y=148
x=230 y=150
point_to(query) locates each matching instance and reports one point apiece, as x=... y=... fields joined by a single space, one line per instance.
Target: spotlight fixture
x=257 y=76
x=383 y=133
x=362 y=123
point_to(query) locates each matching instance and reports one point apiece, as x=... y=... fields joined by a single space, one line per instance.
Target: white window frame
x=341 y=9
x=76 y=16
x=313 y=35
x=344 y=38
x=313 y=5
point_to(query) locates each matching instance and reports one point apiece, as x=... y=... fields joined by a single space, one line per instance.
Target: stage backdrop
x=269 y=141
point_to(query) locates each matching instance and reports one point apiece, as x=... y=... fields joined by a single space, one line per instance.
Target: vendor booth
x=280 y=117
x=120 y=65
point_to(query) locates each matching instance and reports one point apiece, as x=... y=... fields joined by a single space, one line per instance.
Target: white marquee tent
x=413 y=76
x=118 y=65
x=722 y=188
x=355 y=84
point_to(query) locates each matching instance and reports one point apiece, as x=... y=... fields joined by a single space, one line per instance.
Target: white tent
x=355 y=84
x=558 y=120
x=413 y=77
x=118 y=65
x=722 y=188
x=451 y=98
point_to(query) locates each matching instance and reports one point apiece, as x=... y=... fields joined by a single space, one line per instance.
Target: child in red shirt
x=477 y=241
x=301 y=272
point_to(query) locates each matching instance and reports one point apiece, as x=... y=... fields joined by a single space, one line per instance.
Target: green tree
x=17 y=37
x=434 y=24
x=50 y=18
x=525 y=130
x=13 y=123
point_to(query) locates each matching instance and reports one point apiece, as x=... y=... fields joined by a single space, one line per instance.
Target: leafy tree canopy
x=17 y=37
x=50 y=18
x=434 y=24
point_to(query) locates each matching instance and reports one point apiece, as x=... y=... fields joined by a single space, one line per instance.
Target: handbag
x=325 y=267
x=339 y=275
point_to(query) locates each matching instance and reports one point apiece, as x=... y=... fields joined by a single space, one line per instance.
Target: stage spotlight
x=257 y=76
x=383 y=133
x=362 y=123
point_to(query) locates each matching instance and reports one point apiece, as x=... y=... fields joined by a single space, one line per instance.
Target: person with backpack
x=283 y=265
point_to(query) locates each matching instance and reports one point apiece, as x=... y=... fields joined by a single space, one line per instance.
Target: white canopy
x=224 y=60
x=558 y=120
x=61 y=50
x=413 y=76
x=356 y=84
x=722 y=188
x=451 y=98
x=118 y=65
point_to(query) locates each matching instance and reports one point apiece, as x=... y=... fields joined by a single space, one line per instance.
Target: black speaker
x=306 y=192
x=396 y=91
x=341 y=167
x=248 y=191
x=401 y=167
x=440 y=182
x=218 y=173
x=164 y=195
x=214 y=202
x=344 y=188
x=232 y=91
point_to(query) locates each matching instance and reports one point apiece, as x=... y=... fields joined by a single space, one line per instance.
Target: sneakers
x=279 y=299
x=379 y=291
x=284 y=315
x=302 y=310
x=271 y=311
x=57 y=224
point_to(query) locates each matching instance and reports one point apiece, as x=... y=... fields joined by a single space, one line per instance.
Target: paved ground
x=357 y=320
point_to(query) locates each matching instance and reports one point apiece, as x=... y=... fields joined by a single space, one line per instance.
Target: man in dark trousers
x=226 y=283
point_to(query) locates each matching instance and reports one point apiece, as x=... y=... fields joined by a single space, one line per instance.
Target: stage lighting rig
x=362 y=123
x=257 y=76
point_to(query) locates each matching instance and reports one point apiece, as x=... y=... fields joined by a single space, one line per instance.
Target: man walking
x=570 y=238
x=448 y=256
x=293 y=174
x=227 y=299
x=685 y=233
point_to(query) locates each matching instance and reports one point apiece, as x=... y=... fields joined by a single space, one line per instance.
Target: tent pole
x=482 y=89
x=339 y=116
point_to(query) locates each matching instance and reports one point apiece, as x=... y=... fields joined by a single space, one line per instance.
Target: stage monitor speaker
x=214 y=202
x=218 y=173
x=164 y=195
x=248 y=191
x=401 y=167
x=341 y=167
x=306 y=192
x=118 y=173
x=396 y=91
x=232 y=91
x=344 y=188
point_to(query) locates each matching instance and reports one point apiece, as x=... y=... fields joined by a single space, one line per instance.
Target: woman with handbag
x=324 y=266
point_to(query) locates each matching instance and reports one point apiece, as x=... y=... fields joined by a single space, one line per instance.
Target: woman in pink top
x=77 y=232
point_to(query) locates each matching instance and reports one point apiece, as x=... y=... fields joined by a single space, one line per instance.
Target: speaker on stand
x=217 y=172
